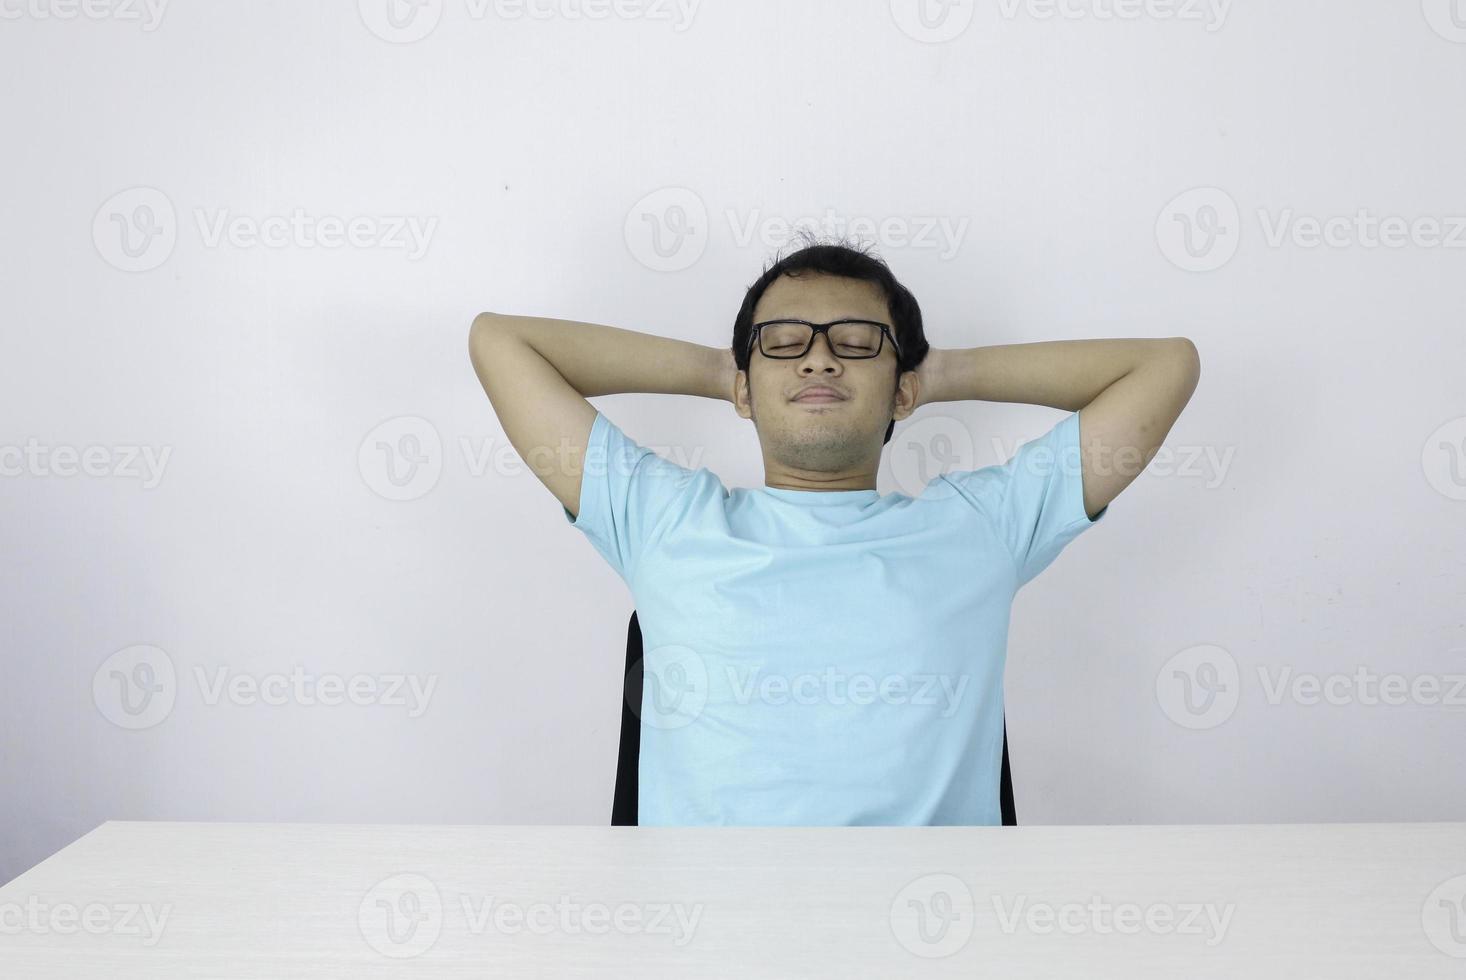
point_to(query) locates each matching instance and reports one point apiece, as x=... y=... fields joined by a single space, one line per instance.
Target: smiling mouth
x=818 y=393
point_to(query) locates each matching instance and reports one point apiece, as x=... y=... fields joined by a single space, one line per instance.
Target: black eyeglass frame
x=756 y=339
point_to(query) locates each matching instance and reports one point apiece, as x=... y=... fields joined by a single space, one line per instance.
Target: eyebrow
x=850 y=316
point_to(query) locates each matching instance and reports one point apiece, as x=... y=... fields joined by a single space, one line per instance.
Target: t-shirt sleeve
x=1035 y=500
x=629 y=495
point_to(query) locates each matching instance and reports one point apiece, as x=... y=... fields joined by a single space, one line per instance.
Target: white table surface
x=235 y=900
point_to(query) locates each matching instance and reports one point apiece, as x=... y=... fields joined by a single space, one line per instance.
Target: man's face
x=833 y=437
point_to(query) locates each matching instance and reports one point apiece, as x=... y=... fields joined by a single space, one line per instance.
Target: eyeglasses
x=849 y=339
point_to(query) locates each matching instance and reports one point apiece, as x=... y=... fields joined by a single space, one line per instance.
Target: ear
x=742 y=397
x=907 y=391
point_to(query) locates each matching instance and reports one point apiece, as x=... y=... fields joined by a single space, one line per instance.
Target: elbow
x=1185 y=350
x=1189 y=359
x=478 y=334
x=481 y=323
x=1186 y=344
x=488 y=335
x=482 y=326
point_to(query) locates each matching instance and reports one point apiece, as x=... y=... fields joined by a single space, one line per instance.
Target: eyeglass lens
x=851 y=339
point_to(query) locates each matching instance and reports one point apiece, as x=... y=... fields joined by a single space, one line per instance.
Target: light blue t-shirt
x=820 y=658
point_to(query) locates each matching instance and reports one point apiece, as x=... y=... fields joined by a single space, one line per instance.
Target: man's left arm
x=1128 y=392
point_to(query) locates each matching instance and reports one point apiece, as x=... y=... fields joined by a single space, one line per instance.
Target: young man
x=816 y=653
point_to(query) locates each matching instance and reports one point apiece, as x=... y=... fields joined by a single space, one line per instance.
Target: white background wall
x=1306 y=518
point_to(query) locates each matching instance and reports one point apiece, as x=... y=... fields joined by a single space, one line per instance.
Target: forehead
x=821 y=298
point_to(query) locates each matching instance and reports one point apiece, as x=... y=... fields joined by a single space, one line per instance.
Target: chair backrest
x=623 y=805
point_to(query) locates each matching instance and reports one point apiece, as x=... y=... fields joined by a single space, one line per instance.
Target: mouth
x=819 y=395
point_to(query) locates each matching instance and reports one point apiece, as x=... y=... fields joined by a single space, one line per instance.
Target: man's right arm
x=538 y=373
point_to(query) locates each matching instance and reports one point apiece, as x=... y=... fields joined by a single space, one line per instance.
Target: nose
x=821 y=352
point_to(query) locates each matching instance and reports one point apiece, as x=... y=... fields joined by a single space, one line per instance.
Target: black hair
x=840 y=259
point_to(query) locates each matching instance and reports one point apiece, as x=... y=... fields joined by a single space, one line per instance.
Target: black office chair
x=623 y=806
